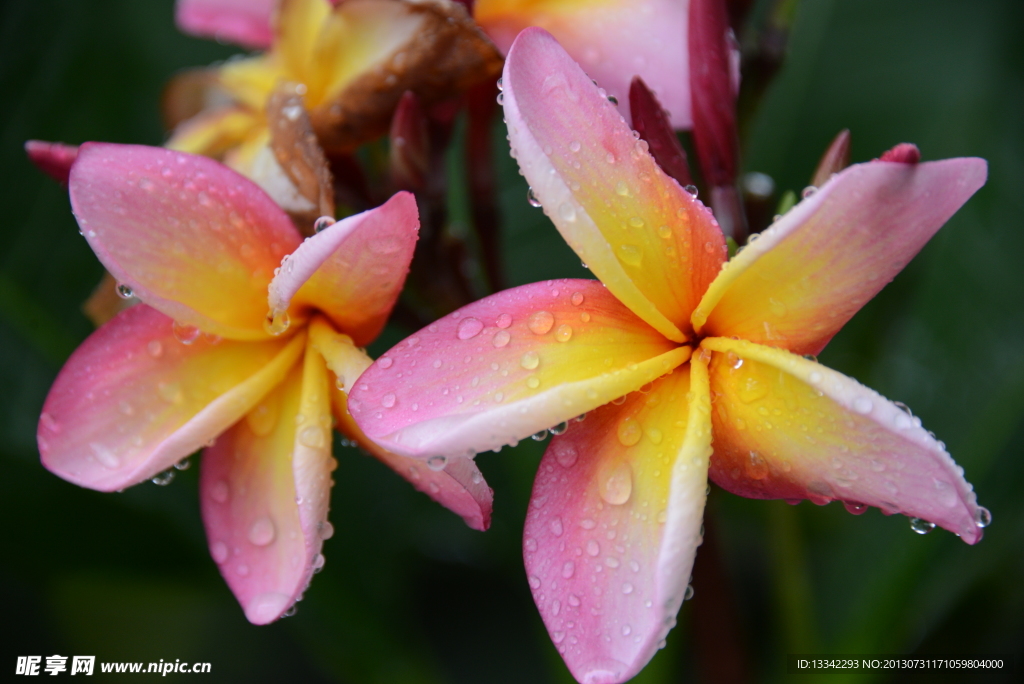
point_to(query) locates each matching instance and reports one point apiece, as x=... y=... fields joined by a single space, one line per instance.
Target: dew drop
x=921 y=526
x=262 y=532
x=532 y=198
x=276 y=322
x=556 y=526
x=503 y=321
x=437 y=463
x=593 y=548
x=163 y=479
x=559 y=429
x=533 y=382
x=567 y=212
x=863 y=405
x=691 y=190
x=566 y=455
x=564 y=333
x=124 y=291
x=220 y=492
x=688 y=594
x=616 y=483
x=186 y=334
x=530 y=360
x=469 y=328
x=539 y=436
x=388 y=400
x=568 y=570
x=664 y=232
x=982 y=517
x=629 y=431
x=622 y=189
x=313 y=436
x=630 y=255
x=501 y=338
x=323 y=223
x=855 y=508
x=540 y=322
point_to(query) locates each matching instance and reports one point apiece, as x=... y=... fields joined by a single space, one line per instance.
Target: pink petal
x=612 y=41
x=789 y=428
x=654 y=246
x=245 y=22
x=459 y=486
x=133 y=400
x=505 y=367
x=191 y=238
x=53 y=159
x=808 y=273
x=265 y=490
x=353 y=270
x=614 y=524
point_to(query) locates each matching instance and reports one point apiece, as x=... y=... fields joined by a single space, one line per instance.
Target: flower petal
x=245 y=22
x=614 y=524
x=53 y=159
x=647 y=239
x=296 y=28
x=353 y=270
x=299 y=156
x=265 y=490
x=807 y=274
x=613 y=41
x=213 y=132
x=459 y=486
x=191 y=238
x=789 y=428
x=370 y=52
x=133 y=400
x=506 y=367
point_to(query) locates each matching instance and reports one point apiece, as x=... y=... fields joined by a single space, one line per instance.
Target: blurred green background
x=408 y=593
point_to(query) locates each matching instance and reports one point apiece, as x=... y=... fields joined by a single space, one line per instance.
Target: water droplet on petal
x=921 y=526
x=219 y=552
x=564 y=333
x=565 y=454
x=186 y=334
x=163 y=479
x=982 y=517
x=863 y=405
x=276 y=322
x=503 y=321
x=501 y=338
x=530 y=360
x=630 y=255
x=691 y=190
x=615 y=483
x=629 y=431
x=385 y=362
x=532 y=198
x=313 y=436
x=124 y=291
x=262 y=532
x=540 y=322
x=437 y=463
x=323 y=223
x=568 y=570
x=388 y=400
x=469 y=328
x=566 y=212
x=688 y=594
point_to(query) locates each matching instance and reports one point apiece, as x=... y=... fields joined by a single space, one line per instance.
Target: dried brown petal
x=299 y=155
x=447 y=54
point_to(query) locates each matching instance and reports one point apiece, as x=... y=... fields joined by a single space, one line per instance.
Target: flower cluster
x=685 y=360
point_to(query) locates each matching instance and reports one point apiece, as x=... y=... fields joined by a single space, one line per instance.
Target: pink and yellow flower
x=350 y=63
x=685 y=364
x=199 y=364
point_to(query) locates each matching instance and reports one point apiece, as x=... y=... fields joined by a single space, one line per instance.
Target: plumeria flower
x=245 y=345
x=685 y=365
x=613 y=40
x=349 y=63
